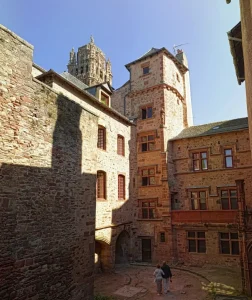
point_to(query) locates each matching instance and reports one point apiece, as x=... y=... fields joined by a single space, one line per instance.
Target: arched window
x=121 y=187
x=101 y=143
x=101 y=185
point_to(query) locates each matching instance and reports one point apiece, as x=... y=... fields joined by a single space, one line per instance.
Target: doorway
x=122 y=248
x=146 y=250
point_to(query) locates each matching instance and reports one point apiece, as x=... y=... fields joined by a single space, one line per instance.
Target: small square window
x=146 y=70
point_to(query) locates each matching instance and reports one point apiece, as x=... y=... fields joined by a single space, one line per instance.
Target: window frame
x=200 y=159
x=106 y=98
x=148 y=176
x=103 y=146
x=227 y=156
x=198 y=198
x=230 y=240
x=104 y=192
x=146 y=68
x=162 y=237
x=229 y=189
x=146 y=112
x=196 y=238
x=119 y=136
x=147 y=142
x=118 y=187
x=148 y=209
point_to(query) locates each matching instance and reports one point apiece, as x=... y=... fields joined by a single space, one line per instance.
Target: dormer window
x=104 y=99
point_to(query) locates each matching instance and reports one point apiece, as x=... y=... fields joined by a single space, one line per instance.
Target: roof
x=235 y=42
x=106 y=85
x=86 y=94
x=213 y=128
x=154 y=51
x=74 y=80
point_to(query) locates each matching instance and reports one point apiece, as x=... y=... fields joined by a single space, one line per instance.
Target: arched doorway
x=122 y=248
x=102 y=256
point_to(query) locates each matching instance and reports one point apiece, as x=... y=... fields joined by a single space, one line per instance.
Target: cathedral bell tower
x=90 y=66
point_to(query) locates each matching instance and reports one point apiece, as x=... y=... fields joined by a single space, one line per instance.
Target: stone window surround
x=148 y=208
x=230 y=240
x=197 y=240
x=227 y=188
x=157 y=171
x=146 y=134
x=146 y=106
x=200 y=159
x=225 y=156
x=198 y=191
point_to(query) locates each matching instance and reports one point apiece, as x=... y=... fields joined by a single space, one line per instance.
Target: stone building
x=240 y=40
x=90 y=174
x=90 y=65
x=58 y=141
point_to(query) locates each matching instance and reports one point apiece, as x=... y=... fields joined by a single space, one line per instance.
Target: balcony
x=205 y=216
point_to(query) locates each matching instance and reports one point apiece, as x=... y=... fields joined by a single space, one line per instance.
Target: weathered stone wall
x=47 y=185
x=118 y=98
x=112 y=214
x=246 y=25
x=183 y=180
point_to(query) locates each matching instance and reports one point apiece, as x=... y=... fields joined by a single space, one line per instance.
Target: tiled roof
x=235 y=42
x=74 y=80
x=213 y=128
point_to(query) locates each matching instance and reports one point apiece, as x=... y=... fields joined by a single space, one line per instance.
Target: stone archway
x=102 y=256
x=122 y=248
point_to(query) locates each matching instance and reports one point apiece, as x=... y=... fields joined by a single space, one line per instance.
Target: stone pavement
x=137 y=282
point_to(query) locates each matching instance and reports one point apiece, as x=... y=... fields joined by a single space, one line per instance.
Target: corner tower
x=90 y=65
x=157 y=98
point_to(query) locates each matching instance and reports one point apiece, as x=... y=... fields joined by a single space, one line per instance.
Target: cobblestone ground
x=137 y=282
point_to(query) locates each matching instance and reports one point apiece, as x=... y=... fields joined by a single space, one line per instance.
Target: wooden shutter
x=120 y=145
x=121 y=187
x=101 y=185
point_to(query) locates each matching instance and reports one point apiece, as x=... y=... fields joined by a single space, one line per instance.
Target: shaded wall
x=47 y=185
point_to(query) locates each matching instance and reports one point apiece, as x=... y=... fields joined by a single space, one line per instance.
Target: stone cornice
x=158 y=86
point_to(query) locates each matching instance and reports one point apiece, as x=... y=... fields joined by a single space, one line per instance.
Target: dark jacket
x=167 y=271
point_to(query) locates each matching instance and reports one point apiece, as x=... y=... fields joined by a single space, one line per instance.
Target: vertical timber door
x=146 y=250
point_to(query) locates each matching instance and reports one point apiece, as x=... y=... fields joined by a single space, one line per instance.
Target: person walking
x=167 y=277
x=158 y=274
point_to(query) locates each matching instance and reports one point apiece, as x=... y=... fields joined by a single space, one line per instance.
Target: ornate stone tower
x=90 y=66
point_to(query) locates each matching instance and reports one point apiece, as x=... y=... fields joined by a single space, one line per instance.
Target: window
x=199 y=161
x=121 y=187
x=198 y=200
x=104 y=99
x=229 y=199
x=148 y=177
x=146 y=112
x=228 y=158
x=146 y=70
x=120 y=145
x=229 y=243
x=101 y=138
x=196 y=241
x=148 y=209
x=101 y=185
x=147 y=143
x=162 y=237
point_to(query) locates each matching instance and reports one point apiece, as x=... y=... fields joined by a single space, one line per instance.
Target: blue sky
x=125 y=30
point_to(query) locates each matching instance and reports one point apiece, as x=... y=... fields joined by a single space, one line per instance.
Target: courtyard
x=136 y=282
